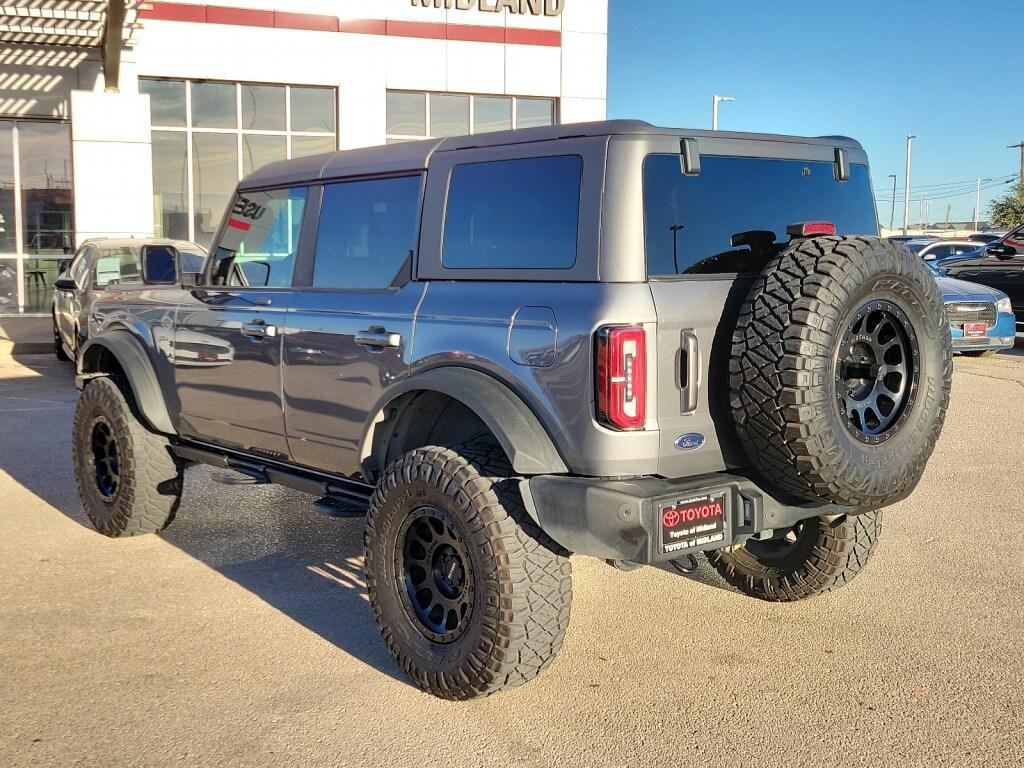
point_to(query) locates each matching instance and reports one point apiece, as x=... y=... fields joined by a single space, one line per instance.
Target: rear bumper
x=622 y=519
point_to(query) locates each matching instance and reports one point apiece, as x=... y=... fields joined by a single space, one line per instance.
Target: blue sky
x=950 y=72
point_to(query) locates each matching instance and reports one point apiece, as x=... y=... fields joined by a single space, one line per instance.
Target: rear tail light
x=622 y=377
x=811 y=229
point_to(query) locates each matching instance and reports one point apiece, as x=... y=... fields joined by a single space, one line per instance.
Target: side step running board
x=334 y=492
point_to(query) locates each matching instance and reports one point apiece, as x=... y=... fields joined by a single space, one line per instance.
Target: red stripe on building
x=519 y=36
x=310 y=21
x=363 y=26
x=175 y=12
x=422 y=29
x=475 y=33
x=247 y=17
x=241 y=17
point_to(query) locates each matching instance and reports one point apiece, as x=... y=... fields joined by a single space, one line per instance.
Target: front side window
x=116 y=266
x=367 y=233
x=513 y=214
x=690 y=221
x=261 y=239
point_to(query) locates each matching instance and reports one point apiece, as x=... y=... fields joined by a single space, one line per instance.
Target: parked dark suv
x=611 y=339
x=999 y=265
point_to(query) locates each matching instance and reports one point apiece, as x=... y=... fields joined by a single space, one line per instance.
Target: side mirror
x=159 y=265
x=65 y=284
x=1000 y=251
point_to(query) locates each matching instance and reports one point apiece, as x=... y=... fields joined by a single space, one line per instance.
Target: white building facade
x=138 y=118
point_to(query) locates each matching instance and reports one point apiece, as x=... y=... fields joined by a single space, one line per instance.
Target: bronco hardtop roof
x=415 y=155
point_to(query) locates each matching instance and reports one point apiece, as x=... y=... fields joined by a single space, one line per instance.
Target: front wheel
x=818 y=555
x=58 y=344
x=469 y=594
x=127 y=478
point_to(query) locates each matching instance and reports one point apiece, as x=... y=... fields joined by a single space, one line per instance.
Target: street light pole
x=906 y=188
x=892 y=214
x=1019 y=146
x=977 y=204
x=714 y=109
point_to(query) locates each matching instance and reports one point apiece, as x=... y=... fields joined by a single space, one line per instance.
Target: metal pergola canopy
x=104 y=24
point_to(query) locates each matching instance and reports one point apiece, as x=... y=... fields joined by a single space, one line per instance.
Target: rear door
x=227 y=338
x=350 y=330
x=699 y=278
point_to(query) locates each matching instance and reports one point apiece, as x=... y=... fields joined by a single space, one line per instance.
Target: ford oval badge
x=690 y=442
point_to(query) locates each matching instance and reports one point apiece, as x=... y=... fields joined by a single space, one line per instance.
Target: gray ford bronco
x=610 y=339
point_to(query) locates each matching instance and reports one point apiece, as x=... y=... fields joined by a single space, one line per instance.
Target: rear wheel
x=127 y=478
x=818 y=555
x=469 y=594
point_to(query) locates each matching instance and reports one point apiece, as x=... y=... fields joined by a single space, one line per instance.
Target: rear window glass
x=513 y=214
x=690 y=220
x=367 y=233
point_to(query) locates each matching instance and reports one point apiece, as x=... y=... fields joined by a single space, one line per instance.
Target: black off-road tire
x=786 y=385
x=521 y=581
x=824 y=555
x=58 y=345
x=145 y=496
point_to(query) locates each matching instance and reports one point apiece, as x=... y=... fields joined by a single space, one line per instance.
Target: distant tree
x=1008 y=212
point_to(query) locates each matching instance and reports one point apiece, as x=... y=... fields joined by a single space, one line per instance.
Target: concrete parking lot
x=242 y=635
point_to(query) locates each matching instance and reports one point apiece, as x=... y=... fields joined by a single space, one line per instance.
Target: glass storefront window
x=214 y=175
x=170 y=184
x=407 y=113
x=166 y=101
x=414 y=115
x=491 y=113
x=44 y=151
x=531 y=113
x=312 y=145
x=312 y=109
x=263 y=108
x=8 y=285
x=8 y=233
x=214 y=105
x=258 y=150
x=203 y=145
x=449 y=115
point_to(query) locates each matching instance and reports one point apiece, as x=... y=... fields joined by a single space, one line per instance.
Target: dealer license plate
x=974 y=330
x=692 y=522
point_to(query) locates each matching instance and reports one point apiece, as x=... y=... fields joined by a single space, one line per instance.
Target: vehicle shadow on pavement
x=267 y=539
x=272 y=542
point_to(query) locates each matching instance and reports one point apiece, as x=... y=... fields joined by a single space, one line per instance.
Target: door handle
x=378 y=337
x=690 y=365
x=258 y=329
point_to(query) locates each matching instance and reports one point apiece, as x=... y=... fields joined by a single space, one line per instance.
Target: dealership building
x=122 y=118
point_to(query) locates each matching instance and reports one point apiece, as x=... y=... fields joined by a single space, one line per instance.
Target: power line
x=945 y=194
x=970 y=182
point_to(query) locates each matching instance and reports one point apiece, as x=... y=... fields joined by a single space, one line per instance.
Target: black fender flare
x=138 y=368
x=521 y=434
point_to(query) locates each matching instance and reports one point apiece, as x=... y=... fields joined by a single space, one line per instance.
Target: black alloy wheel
x=876 y=372
x=437 y=576
x=105 y=459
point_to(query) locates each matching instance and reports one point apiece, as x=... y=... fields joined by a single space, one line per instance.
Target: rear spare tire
x=840 y=370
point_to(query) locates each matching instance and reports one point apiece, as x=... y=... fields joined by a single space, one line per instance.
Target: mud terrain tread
x=530 y=577
x=152 y=480
x=779 y=370
x=841 y=550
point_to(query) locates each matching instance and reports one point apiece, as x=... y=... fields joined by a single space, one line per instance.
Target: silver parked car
x=103 y=263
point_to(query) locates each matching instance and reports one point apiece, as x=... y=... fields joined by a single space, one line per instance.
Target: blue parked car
x=981 y=319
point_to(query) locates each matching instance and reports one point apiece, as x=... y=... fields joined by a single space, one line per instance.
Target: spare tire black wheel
x=840 y=370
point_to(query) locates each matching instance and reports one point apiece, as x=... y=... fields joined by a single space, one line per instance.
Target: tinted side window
x=513 y=214
x=367 y=232
x=690 y=220
x=258 y=246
